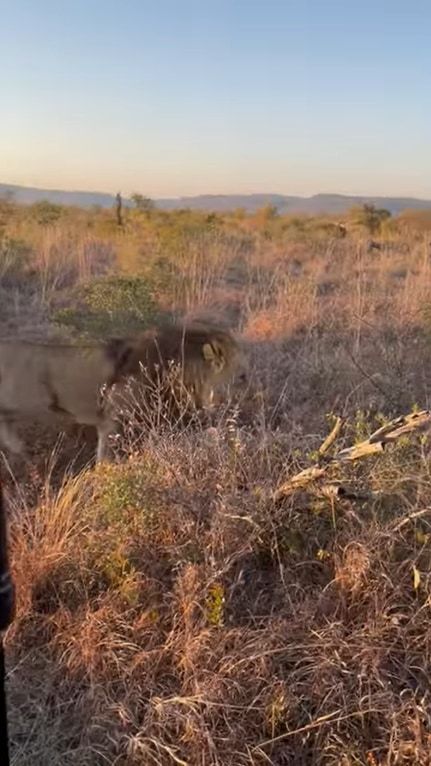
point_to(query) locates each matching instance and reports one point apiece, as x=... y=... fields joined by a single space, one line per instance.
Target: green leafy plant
x=215 y=604
x=46 y=213
x=110 y=305
x=370 y=217
x=14 y=257
x=145 y=204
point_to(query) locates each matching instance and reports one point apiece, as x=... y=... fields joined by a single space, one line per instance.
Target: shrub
x=46 y=213
x=110 y=305
x=122 y=491
x=14 y=256
x=142 y=203
x=370 y=217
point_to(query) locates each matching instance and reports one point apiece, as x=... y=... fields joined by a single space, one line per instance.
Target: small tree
x=110 y=305
x=268 y=212
x=119 y=209
x=142 y=203
x=370 y=217
x=46 y=213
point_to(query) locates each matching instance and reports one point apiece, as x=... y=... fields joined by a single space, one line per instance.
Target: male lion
x=50 y=381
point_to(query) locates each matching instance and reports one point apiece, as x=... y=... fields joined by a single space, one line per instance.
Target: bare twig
x=369 y=377
x=410 y=517
x=321 y=721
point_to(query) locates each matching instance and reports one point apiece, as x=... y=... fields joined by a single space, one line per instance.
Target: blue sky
x=174 y=97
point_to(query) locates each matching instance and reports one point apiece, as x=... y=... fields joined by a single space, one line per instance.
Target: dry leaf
x=416 y=578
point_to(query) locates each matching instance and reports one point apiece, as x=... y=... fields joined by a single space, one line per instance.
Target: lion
x=82 y=384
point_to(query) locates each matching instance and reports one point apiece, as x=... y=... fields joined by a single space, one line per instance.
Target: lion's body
x=43 y=382
x=37 y=379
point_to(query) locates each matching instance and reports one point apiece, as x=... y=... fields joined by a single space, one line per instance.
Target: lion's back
x=34 y=376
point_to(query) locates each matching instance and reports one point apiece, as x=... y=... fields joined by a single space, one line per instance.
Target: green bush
x=370 y=217
x=46 y=213
x=125 y=495
x=109 y=306
x=14 y=257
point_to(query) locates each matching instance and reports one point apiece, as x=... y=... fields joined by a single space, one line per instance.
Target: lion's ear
x=213 y=353
x=208 y=352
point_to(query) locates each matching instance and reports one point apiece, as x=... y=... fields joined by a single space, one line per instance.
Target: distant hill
x=27 y=195
x=318 y=204
x=315 y=205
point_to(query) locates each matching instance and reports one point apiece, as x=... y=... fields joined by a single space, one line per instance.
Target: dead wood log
x=310 y=478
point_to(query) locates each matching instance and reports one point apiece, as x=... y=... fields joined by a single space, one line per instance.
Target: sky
x=179 y=97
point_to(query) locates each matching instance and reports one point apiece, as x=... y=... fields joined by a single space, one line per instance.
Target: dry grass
x=168 y=611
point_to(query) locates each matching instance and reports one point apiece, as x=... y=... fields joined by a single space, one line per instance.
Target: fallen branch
x=333 y=436
x=406 y=424
x=310 y=477
x=339 y=491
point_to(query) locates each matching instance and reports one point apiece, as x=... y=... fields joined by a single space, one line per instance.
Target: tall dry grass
x=168 y=611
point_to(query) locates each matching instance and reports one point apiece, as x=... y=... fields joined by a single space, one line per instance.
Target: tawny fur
x=44 y=382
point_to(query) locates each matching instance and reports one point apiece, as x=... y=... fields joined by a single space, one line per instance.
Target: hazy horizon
x=209 y=193
x=292 y=98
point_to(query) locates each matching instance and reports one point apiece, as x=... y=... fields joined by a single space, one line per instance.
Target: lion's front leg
x=104 y=430
x=10 y=439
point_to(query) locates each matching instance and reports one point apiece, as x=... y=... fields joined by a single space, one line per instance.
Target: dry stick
x=332 y=437
x=410 y=516
x=339 y=491
x=414 y=421
x=324 y=719
x=376 y=443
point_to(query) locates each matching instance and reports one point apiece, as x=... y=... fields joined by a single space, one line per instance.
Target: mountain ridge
x=316 y=204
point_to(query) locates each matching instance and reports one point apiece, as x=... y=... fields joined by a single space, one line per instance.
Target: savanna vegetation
x=168 y=610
